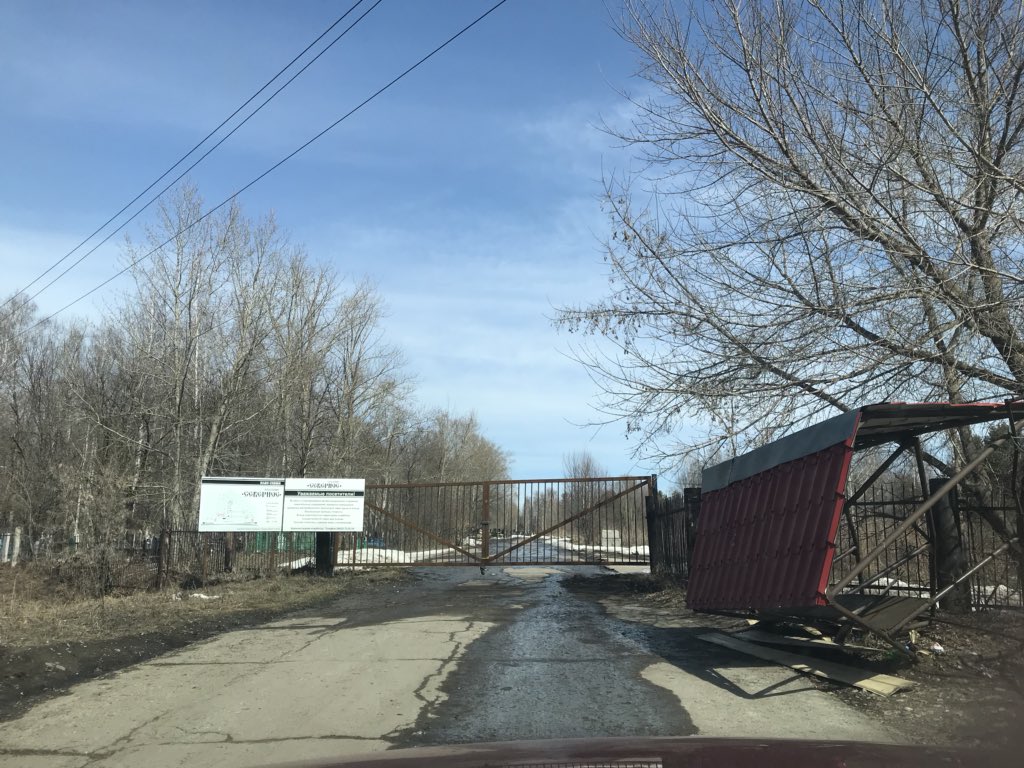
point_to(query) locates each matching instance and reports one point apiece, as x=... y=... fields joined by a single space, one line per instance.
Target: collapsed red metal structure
x=766 y=535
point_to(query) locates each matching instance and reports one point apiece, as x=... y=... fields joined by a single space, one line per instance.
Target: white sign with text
x=322 y=504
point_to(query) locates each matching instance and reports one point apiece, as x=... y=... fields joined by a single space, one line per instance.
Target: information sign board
x=312 y=504
x=240 y=503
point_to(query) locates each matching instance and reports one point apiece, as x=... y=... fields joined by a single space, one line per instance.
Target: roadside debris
x=883 y=685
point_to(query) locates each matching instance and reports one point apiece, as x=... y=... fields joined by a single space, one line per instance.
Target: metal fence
x=131 y=561
x=125 y=561
x=904 y=568
x=997 y=584
x=504 y=522
x=192 y=556
x=670 y=527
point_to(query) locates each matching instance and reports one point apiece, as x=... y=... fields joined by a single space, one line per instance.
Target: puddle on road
x=530 y=572
x=557 y=667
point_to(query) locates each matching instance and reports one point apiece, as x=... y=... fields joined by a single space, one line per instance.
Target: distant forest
x=230 y=353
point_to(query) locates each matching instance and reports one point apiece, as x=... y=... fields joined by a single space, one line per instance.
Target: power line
x=227 y=136
x=276 y=165
x=184 y=157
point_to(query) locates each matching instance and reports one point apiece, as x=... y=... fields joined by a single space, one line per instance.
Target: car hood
x=668 y=753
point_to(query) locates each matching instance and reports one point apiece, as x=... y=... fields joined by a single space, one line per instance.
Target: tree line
x=231 y=352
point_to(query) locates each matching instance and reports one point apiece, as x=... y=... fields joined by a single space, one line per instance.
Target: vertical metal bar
x=229 y=549
x=1014 y=476
x=485 y=523
x=660 y=518
x=439 y=517
x=922 y=477
x=918 y=611
x=161 y=562
x=204 y=555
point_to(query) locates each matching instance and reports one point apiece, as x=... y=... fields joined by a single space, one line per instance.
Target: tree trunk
x=948 y=558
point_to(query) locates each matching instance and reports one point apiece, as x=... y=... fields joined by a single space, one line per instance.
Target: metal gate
x=569 y=521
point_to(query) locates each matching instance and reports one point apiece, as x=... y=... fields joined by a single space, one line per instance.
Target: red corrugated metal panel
x=767 y=540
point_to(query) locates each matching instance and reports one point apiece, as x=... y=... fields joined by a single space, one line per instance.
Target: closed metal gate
x=568 y=521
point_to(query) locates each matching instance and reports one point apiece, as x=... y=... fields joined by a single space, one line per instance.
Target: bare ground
x=50 y=639
x=971 y=694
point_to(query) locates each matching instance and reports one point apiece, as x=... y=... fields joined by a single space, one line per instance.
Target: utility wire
x=184 y=173
x=184 y=157
x=276 y=165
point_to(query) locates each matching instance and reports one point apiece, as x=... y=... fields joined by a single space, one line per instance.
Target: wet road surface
x=448 y=656
x=556 y=668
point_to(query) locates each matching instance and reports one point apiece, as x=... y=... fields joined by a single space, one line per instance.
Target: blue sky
x=468 y=193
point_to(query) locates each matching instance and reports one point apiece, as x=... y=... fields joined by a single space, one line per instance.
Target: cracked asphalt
x=451 y=656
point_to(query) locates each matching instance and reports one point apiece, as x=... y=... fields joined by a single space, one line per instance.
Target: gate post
x=655 y=540
x=485 y=524
x=691 y=505
x=229 y=552
x=323 y=551
x=163 y=564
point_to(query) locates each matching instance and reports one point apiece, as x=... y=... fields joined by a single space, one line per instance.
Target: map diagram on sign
x=240 y=504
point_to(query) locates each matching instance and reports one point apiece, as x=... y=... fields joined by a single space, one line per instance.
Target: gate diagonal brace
x=424 y=531
x=565 y=522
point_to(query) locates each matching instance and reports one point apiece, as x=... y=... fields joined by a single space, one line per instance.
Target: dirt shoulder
x=49 y=642
x=971 y=693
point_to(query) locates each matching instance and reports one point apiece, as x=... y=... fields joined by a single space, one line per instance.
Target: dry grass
x=36 y=612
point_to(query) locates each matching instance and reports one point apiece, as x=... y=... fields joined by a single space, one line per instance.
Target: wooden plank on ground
x=760 y=636
x=883 y=685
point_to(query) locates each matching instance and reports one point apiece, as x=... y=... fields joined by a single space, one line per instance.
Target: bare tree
x=368 y=380
x=198 y=323
x=583 y=495
x=231 y=352
x=832 y=216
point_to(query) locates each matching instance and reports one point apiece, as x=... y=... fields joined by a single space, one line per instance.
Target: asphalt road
x=452 y=656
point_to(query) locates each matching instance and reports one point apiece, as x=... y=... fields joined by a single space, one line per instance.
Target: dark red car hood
x=670 y=753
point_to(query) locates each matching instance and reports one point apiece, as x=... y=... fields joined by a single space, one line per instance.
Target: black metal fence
x=192 y=556
x=907 y=567
x=671 y=526
x=124 y=561
x=904 y=567
x=131 y=561
x=998 y=583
